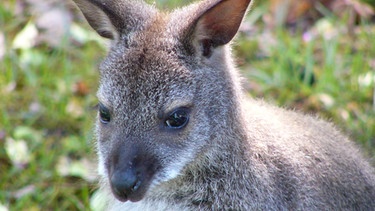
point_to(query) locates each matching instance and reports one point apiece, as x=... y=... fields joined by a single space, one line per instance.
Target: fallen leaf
x=80 y=88
x=62 y=166
x=35 y=107
x=31 y=57
x=27 y=133
x=61 y=86
x=53 y=26
x=358 y=7
x=26 y=38
x=98 y=200
x=74 y=108
x=3 y=208
x=17 y=152
x=2 y=46
x=326 y=99
x=289 y=11
x=367 y=79
x=82 y=168
x=24 y=191
x=344 y=114
x=322 y=28
x=9 y=88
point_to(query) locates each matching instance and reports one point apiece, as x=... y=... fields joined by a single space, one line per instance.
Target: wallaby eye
x=104 y=114
x=178 y=119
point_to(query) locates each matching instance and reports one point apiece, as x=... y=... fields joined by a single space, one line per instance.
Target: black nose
x=125 y=184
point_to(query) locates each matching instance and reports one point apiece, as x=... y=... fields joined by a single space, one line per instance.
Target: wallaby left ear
x=112 y=18
x=100 y=17
x=219 y=24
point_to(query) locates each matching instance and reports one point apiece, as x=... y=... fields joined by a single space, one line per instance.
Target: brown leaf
x=359 y=8
x=81 y=88
x=289 y=11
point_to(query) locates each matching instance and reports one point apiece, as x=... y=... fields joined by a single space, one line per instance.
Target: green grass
x=43 y=108
x=342 y=67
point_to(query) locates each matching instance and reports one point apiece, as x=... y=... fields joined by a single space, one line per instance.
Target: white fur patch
x=173 y=170
x=145 y=206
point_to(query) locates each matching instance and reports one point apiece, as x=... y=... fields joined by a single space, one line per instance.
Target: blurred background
x=316 y=56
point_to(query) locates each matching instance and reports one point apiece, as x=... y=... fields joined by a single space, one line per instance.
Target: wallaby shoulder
x=301 y=151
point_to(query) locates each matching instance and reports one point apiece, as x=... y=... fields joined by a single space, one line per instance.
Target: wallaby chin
x=175 y=132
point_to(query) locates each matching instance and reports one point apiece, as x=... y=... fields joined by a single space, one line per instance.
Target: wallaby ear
x=219 y=24
x=110 y=18
x=101 y=18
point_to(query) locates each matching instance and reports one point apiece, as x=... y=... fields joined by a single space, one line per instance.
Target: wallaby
x=176 y=132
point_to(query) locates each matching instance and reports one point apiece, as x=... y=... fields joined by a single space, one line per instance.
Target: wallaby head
x=165 y=89
x=174 y=130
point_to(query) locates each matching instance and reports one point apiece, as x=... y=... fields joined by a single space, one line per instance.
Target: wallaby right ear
x=110 y=18
x=218 y=24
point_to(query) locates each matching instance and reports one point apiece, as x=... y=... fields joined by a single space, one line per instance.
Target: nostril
x=136 y=186
x=124 y=183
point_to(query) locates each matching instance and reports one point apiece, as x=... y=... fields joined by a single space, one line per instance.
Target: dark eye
x=178 y=119
x=104 y=114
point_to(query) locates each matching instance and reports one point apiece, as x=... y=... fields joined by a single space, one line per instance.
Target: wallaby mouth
x=130 y=174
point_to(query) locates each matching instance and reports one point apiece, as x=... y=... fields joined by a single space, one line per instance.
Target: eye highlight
x=177 y=119
x=104 y=114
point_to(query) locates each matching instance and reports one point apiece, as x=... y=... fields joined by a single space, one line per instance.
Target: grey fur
x=235 y=153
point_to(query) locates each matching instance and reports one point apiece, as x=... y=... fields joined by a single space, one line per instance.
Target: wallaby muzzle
x=130 y=172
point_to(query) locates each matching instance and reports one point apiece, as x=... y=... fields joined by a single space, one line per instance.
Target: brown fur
x=234 y=153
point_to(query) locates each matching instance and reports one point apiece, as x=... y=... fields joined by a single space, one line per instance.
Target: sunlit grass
x=332 y=75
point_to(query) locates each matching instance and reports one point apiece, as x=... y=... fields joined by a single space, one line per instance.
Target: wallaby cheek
x=101 y=166
x=177 y=159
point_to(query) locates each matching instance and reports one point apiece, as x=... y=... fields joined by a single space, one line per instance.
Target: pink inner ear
x=221 y=22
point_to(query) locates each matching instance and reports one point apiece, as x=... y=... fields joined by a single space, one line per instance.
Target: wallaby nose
x=125 y=184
